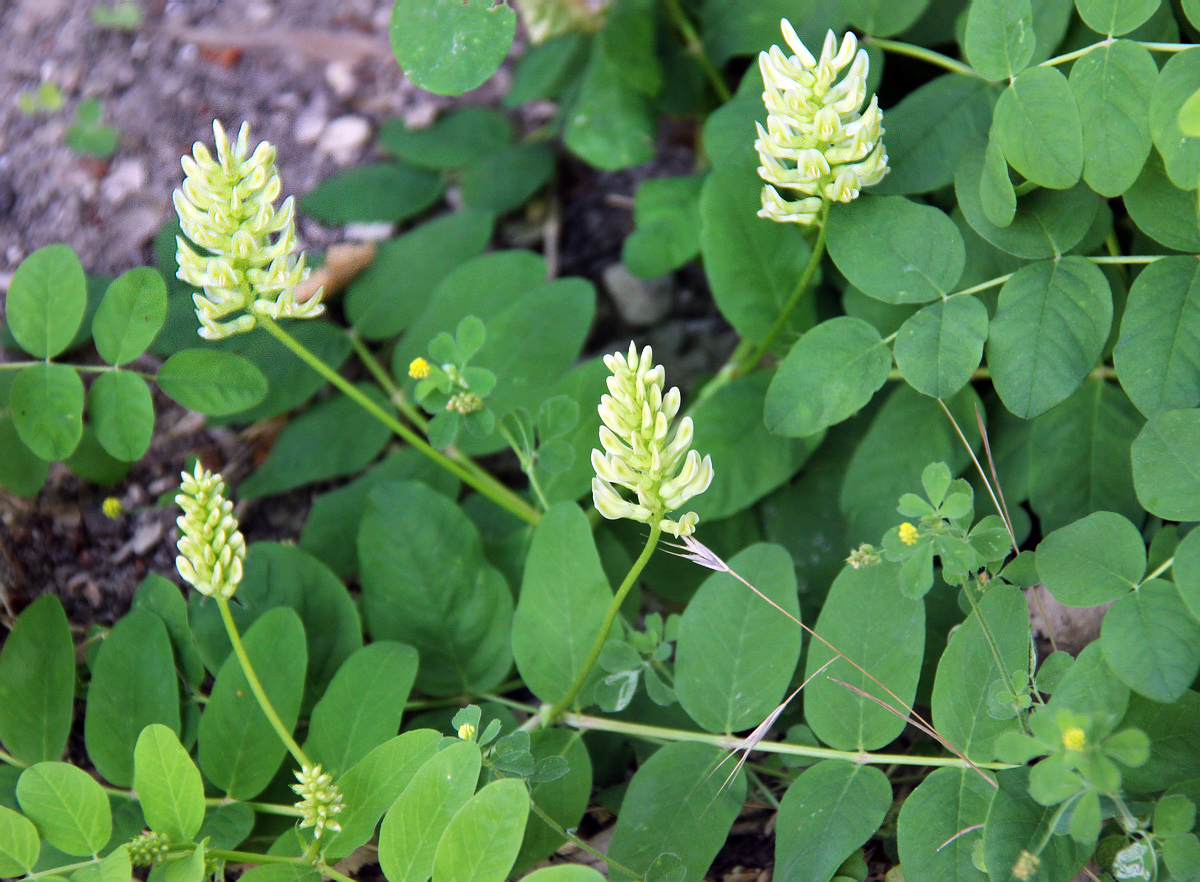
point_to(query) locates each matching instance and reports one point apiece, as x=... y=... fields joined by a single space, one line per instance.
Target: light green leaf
x=46 y=301
x=239 y=751
x=130 y=315
x=736 y=654
x=46 y=401
x=896 y=250
x=458 y=139
x=381 y=191
x=889 y=644
x=188 y=869
x=829 y=374
x=826 y=814
x=1092 y=561
x=1166 y=465
x=1050 y=327
x=168 y=784
x=1112 y=87
x=37 y=682
x=1000 y=39
x=1151 y=642
x=1115 y=17
x=417 y=819
x=939 y=348
x=122 y=413
x=115 y=867
x=448 y=46
x=565 y=873
x=482 y=840
x=67 y=805
x=1037 y=126
x=930 y=835
x=1176 y=82
x=212 y=382
x=675 y=803
x=1163 y=211
x=1016 y=823
x=133 y=685
x=362 y=706
x=19 y=843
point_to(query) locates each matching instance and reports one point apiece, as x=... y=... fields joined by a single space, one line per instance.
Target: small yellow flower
x=112 y=508
x=418 y=368
x=1073 y=738
x=908 y=534
x=466 y=732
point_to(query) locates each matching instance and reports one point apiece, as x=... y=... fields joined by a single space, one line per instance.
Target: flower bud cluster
x=226 y=206
x=320 y=800
x=817 y=143
x=211 y=548
x=147 y=849
x=641 y=453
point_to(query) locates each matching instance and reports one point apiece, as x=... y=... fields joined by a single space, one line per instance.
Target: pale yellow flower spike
x=818 y=142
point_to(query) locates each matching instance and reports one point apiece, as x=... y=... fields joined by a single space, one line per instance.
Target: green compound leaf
x=1082 y=463
x=362 y=706
x=122 y=412
x=675 y=803
x=997 y=197
x=133 y=685
x=930 y=835
x=939 y=347
x=416 y=821
x=962 y=689
x=564 y=596
x=928 y=130
x=19 y=843
x=829 y=374
x=1092 y=561
x=1115 y=17
x=212 y=382
x=752 y=263
x=1016 y=823
x=1161 y=210
x=1186 y=571
x=482 y=840
x=130 y=315
x=736 y=654
x=450 y=46
x=67 y=805
x=1037 y=126
x=168 y=784
x=564 y=799
x=37 y=683
x=826 y=814
x=896 y=250
x=458 y=139
x=1000 y=39
x=239 y=750
x=1112 y=87
x=883 y=18
x=382 y=191
x=46 y=301
x=1152 y=643
x=1050 y=327
x=425 y=583
x=47 y=409
x=1176 y=82
x=1166 y=465
x=890 y=644
x=1157 y=356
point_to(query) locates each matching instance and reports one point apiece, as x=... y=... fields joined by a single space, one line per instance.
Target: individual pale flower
x=320 y=800
x=641 y=453
x=226 y=206
x=211 y=548
x=819 y=142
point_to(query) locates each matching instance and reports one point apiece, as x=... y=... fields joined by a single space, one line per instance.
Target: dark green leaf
x=1017 y=824
x=1115 y=17
x=47 y=409
x=382 y=191
x=1176 y=82
x=930 y=835
x=458 y=139
x=1000 y=39
x=37 y=682
x=939 y=348
x=450 y=46
x=508 y=178
x=212 y=382
x=996 y=194
x=1166 y=465
x=46 y=300
x=1092 y=561
x=1174 y=732
x=21 y=470
x=1151 y=642
x=1037 y=126
x=610 y=124
x=883 y=18
x=122 y=413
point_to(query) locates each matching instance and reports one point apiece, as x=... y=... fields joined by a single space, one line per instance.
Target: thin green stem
x=1158 y=570
x=695 y=47
x=325 y=870
x=1165 y=47
x=1078 y=53
x=11 y=760
x=256 y=686
x=982 y=286
x=732 y=742
x=923 y=54
x=793 y=301
x=56 y=871
x=394 y=393
x=1132 y=258
x=509 y=702
x=253 y=857
x=567 y=834
x=82 y=368
x=550 y=715
x=526 y=462
x=484 y=484
x=761 y=786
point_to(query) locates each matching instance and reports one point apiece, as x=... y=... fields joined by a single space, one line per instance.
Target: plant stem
x=566 y=834
x=797 y=295
x=483 y=483
x=55 y=871
x=11 y=760
x=1133 y=258
x=1079 y=53
x=550 y=715
x=923 y=54
x=256 y=686
x=1158 y=570
x=695 y=47
x=732 y=742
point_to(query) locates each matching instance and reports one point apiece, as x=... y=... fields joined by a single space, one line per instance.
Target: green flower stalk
x=320 y=800
x=212 y=550
x=817 y=143
x=641 y=453
x=226 y=206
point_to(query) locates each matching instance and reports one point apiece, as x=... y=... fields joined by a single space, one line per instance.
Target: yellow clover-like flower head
x=818 y=143
x=226 y=206
x=641 y=452
x=212 y=550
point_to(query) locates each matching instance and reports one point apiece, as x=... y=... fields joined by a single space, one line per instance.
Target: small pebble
x=344 y=138
x=640 y=302
x=126 y=177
